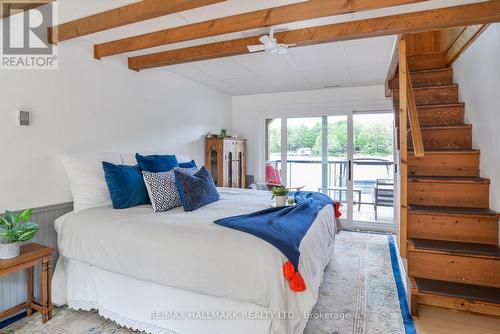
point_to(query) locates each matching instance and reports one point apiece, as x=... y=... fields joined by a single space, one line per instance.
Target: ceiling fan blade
x=295 y=67
x=256 y=48
x=282 y=49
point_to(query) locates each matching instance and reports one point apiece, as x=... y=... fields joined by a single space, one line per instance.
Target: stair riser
x=444 y=164
x=481 y=230
x=434 y=95
x=439 y=116
x=421 y=79
x=453 y=268
x=462 y=195
x=441 y=139
x=427 y=62
x=476 y=307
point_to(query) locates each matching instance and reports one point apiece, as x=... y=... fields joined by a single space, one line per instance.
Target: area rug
x=362 y=294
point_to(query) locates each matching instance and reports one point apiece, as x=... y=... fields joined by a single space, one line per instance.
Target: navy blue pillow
x=196 y=190
x=156 y=163
x=190 y=164
x=126 y=185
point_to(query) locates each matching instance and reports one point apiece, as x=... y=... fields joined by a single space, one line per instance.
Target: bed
x=178 y=272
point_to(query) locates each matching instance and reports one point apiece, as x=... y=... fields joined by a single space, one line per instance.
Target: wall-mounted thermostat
x=24 y=118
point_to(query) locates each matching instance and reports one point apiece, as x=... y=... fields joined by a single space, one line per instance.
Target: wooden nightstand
x=31 y=254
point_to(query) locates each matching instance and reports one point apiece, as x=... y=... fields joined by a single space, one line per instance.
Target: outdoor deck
x=307 y=172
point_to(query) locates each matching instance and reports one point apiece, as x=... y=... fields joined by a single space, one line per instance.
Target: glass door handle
x=349 y=170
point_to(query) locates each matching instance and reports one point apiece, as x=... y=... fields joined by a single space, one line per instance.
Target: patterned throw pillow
x=196 y=190
x=162 y=189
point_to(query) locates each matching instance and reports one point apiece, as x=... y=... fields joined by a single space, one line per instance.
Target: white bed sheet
x=186 y=251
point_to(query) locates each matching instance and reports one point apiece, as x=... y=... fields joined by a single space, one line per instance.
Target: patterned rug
x=361 y=294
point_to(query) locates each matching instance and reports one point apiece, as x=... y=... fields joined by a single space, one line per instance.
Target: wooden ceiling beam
x=480 y=13
x=258 y=19
x=136 y=12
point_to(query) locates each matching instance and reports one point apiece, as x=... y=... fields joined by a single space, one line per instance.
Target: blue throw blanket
x=282 y=227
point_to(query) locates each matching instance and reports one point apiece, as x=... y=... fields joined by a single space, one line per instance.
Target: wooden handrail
x=393 y=66
x=407 y=113
x=416 y=133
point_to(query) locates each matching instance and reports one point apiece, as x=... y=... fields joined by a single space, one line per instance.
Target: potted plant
x=14 y=230
x=223 y=133
x=280 y=193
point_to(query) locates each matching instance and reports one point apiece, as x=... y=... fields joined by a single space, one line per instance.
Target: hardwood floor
x=433 y=320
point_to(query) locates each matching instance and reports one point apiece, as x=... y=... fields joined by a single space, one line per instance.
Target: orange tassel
x=297 y=283
x=288 y=270
x=337 y=210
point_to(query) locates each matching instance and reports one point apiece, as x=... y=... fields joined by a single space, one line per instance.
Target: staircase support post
x=403 y=147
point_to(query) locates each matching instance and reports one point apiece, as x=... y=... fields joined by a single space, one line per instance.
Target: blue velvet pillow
x=126 y=185
x=196 y=190
x=156 y=163
x=190 y=164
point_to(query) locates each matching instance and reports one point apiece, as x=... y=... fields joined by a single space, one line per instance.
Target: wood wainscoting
x=13 y=287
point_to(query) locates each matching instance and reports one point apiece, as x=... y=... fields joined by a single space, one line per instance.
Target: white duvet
x=185 y=250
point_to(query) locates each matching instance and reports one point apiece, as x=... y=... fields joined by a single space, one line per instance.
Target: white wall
x=477 y=71
x=250 y=111
x=95 y=106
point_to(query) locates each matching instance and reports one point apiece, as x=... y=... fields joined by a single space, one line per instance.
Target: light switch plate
x=24 y=118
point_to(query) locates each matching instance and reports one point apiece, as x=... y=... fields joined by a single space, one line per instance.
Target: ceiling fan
x=270 y=44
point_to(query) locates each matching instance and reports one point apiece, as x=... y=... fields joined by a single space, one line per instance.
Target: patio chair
x=273 y=178
x=258 y=186
x=384 y=194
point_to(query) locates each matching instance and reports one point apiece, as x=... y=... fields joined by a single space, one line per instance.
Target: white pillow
x=86 y=177
x=129 y=158
x=182 y=158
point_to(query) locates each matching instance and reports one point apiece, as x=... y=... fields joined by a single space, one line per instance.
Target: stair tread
x=457 y=179
x=436 y=87
x=455 y=247
x=441 y=105
x=451 y=210
x=440 y=127
x=440 y=69
x=469 y=292
x=449 y=151
x=433 y=87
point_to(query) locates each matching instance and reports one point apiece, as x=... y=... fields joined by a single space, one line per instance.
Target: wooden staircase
x=452 y=248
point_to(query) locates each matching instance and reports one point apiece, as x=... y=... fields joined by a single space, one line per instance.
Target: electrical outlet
x=24 y=118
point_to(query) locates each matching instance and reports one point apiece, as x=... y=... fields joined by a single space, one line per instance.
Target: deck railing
x=337 y=170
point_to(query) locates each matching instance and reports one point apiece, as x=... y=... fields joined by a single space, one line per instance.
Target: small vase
x=281 y=200
x=9 y=251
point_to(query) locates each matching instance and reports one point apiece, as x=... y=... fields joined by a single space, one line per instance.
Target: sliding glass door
x=347 y=157
x=304 y=153
x=373 y=168
x=336 y=151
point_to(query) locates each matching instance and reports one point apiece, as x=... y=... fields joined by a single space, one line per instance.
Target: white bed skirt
x=152 y=307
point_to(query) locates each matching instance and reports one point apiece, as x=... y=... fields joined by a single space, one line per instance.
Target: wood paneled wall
x=423 y=43
x=450 y=42
x=13 y=287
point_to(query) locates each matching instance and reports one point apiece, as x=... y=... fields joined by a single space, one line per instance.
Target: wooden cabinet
x=226 y=161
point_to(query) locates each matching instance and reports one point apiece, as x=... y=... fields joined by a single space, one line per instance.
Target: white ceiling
x=351 y=63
